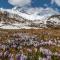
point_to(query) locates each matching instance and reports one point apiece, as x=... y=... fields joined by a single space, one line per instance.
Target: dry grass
x=41 y=33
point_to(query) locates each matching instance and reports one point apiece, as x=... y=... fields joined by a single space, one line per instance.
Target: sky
x=53 y=4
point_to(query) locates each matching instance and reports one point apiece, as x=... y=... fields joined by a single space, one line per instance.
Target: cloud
x=19 y=2
x=41 y=11
x=56 y=1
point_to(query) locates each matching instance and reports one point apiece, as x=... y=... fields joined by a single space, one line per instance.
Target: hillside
x=16 y=20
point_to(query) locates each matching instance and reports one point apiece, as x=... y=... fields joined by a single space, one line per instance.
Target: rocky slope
x=13 y=19
x=53 y=21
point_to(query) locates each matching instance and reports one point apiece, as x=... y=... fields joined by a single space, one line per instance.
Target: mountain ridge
x=13 y=18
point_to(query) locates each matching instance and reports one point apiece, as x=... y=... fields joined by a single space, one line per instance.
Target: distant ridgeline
x=14 y=20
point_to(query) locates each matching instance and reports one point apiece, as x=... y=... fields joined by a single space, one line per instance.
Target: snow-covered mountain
x=53 y=21
x=20 y=19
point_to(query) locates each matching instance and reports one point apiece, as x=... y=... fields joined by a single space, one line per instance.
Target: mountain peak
x=16 y=19
x=32 y=13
